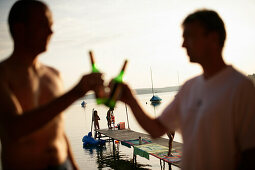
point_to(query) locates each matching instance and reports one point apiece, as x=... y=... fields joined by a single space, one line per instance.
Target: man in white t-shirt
x=215 y=111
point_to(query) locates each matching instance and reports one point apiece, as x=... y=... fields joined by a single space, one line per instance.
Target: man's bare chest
x=33 y=91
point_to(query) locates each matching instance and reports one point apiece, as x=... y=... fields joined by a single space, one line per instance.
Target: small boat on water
x=83 y=103
x=155 y=99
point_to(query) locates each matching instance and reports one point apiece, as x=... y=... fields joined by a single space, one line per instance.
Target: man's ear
x=214 y=38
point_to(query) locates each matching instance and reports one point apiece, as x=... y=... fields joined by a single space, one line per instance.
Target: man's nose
x=50 y=31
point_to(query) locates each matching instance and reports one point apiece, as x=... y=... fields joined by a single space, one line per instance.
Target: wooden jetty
x=129 y=135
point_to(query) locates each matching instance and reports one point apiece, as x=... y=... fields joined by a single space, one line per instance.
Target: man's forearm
x=32 y=120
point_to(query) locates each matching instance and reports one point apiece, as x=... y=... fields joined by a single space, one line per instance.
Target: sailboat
x=83 y=104
x=155 y=99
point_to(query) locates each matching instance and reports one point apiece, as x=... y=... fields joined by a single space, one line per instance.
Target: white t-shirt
x=216 y=118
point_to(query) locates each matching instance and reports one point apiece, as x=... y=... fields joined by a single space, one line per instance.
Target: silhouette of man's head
x=204 y=36
x=30 y=25
x=211 y=22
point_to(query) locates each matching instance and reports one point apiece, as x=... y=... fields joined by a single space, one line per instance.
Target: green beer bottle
x=116 y=88
x=94 y=68
x=100 y=96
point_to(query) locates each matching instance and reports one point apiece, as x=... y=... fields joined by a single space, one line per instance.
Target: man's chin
x=194 y=61
x=43 y=49
x=40 y=51
x=191 y=60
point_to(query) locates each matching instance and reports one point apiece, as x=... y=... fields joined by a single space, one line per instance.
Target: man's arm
x=152 y=126
x=15 y=124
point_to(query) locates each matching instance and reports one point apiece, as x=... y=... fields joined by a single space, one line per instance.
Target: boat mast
x=152 y=83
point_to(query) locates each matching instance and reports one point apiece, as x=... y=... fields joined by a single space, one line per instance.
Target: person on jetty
x=96 y=118
x=113 y=120
x=108 y=118
x=31 y=95
x=214 y=111
x=170 y=142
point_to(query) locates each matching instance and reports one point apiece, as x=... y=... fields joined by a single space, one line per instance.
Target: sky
x=146 y=32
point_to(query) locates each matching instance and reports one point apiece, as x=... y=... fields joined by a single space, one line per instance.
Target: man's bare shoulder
x=52 y=76
x=50 y=70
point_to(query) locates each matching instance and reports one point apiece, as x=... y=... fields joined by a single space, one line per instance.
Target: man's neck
x=212 y=68
x=24 y=58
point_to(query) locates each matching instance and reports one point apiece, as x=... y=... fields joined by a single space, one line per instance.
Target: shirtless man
x=31 y=95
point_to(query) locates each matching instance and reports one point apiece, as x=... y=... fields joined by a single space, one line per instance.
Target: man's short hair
x=210 y=20
x=21 y=12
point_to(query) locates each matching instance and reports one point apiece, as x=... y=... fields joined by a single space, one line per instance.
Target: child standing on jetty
x=109 y=119
x=96 y=118
x=170 y=142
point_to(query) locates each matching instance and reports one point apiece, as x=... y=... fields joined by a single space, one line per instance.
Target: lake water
x=78 y=124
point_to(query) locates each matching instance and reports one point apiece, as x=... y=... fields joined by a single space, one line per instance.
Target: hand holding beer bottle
x=115 y=88
x=100 y=92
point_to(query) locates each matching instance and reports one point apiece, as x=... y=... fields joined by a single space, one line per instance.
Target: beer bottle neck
x=94 y=68
x=119 y=77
